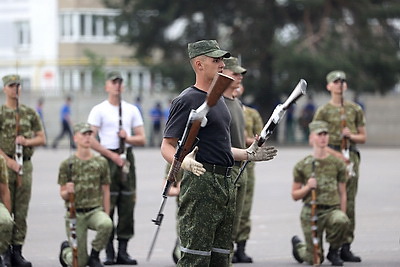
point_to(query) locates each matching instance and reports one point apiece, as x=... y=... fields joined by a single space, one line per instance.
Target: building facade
x=60 y=46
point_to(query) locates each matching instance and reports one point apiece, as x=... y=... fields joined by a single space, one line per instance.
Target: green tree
x=279 y=42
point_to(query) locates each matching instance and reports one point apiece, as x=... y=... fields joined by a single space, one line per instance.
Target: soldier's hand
x=263 y=153
x=312 y=183
x=190 y=164
x=70 y=187
x=116 y=158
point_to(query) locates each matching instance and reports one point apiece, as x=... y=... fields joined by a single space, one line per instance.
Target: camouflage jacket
x=329 y=172
x=88 y=177
x=331 y=114
x=29 y=122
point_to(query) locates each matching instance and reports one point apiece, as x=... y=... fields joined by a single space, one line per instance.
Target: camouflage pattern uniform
x=6 y=222
x=20 y=196
x=328 y=173
x=254 y=125
x=354 y=118
x=212 y=198
x=88 y=176
x=237 y=128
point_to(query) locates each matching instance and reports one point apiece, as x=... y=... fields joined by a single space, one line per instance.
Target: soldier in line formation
x=206 y=59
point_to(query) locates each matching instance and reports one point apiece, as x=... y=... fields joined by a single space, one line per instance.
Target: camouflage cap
x=10 y=79
x=208 y=48
x=335 y=75
x=82 y=127
x=318 y=126
x=113 y=75
x=232 y=63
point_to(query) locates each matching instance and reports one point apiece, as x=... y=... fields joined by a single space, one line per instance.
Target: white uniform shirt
x=106 y=117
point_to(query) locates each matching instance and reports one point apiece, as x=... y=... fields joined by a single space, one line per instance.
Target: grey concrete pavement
x=275 y=215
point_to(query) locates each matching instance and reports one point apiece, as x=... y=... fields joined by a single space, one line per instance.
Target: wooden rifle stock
x=314 y=221
x=18 y=147
x=72 y=221
x=188 y=141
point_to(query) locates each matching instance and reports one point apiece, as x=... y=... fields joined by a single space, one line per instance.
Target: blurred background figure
x=65 y=115
x=306 y=116
x=39 y=110
x=157 y=116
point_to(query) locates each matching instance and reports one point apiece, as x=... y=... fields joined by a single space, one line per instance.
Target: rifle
x=72 y=220
x=121 y=148
x=345 y=144
x=18 y=147
x=314 y=220
x=188 y=141
x=276 y=117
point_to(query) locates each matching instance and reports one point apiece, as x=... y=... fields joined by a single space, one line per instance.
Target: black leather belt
x=322 y=207
x=222 y=170
x=84 y=210
x=23 y=158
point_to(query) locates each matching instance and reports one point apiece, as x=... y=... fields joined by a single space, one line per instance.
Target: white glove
x=190 y=164
x=263 y=153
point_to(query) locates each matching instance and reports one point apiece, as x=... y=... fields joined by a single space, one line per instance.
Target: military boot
x=296 y=240
x=17 y=260
x=64 y=245
x=110 y=254
x=240 y=254
x=94 y=260
x=6 y=258
x=347 y=255
x=123 y=256
x=333 y=256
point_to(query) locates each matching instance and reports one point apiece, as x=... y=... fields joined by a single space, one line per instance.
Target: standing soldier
x=206 y=199
x=346 y=121
x=254 y=125
x=325 y=174
x=237 y=134
x=115 y=120
x=88 y=178
x=6 y=222
x=24 y=120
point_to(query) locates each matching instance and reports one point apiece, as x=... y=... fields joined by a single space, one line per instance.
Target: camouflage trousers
x=351 y=188
x=20 y=198
x=96 y=220
x=6 y=226
x=243 y=232
x=240 y=189
x=123 y=198
x=205 y=219
x=333 y=221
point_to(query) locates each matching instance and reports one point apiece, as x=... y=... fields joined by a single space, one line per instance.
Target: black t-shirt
x=214 y=144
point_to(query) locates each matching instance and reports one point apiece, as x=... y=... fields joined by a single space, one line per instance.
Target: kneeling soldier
x=325 y=174
x=87 y=177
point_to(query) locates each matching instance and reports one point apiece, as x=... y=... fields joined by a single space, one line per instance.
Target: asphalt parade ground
x=275 y=216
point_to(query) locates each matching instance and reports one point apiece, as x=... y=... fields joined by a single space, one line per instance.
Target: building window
x=96 y=26
x=23 y=34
